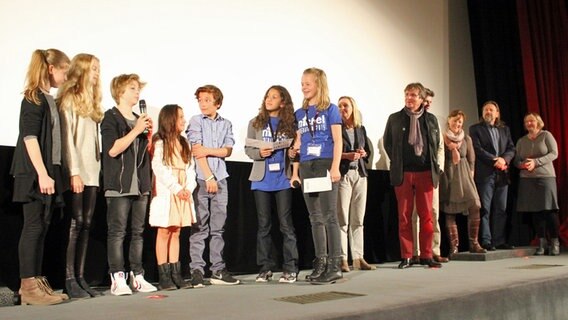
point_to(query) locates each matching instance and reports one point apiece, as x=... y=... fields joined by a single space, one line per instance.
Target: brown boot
x=32 y=293
x=361 y=264
x=473 y=231
x=454 y=239
x=344 y=266
x=44 y=285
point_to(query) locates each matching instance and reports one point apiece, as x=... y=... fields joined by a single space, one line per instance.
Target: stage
x=519 y=287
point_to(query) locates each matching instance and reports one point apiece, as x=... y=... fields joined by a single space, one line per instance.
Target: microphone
x=296 y=184
x=142 y=106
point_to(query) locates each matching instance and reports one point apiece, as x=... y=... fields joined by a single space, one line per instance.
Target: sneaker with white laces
x=264 y=276
x=223 y=277
x=288 y=277
x=118 y=286
x=197 y=279
x=138 y=283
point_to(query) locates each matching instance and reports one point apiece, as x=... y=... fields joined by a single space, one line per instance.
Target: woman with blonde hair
x=79 y=102
x=353 y=184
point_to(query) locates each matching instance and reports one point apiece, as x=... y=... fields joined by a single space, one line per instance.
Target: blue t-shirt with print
x=315 y=130
x=273 y=180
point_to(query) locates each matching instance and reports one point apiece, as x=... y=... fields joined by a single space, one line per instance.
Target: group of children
x=58 y=150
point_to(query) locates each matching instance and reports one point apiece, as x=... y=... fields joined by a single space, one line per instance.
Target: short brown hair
x=209 y=88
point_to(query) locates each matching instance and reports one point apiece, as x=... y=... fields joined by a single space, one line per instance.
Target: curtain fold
x=543 y=30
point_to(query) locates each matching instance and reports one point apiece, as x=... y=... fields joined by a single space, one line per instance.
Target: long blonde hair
x=37 y=76
x=322 y=97
x=78 y=92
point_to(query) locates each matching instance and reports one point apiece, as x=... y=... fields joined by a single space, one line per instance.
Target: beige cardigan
x=80 y=146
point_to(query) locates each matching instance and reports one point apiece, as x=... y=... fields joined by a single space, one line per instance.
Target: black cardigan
x=35 y=120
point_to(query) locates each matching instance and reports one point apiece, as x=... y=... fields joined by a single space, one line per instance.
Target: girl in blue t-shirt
x=319 y=144
x=270 y=178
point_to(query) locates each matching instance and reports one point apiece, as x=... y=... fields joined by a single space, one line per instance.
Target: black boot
x=176 y=276
x=74 y=291
x=319 y=265
x=332 y=272
x=165 y=276
x=83 y=283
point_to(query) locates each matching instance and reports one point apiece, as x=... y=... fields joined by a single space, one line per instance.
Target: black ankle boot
x=165 y=276
x=332 y=272
x=92 y=292
x=74 y=291
x=319 y=265
x=176 y=276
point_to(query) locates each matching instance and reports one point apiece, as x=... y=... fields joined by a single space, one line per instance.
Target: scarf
x=453 y=142
x=415 y=134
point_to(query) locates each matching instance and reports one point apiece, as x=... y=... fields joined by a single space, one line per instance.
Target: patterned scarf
x=415 y=134
x=453 y=142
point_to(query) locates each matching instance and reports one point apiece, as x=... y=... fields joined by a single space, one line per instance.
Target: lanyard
x=273 y=134
x=312 y=130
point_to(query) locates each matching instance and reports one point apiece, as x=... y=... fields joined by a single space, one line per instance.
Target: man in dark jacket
x=411 y=140
x=494 y=150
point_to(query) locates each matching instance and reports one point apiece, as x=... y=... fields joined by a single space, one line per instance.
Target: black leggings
x=546 y=221
x=83 y=208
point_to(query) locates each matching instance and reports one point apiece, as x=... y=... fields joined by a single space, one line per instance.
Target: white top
x=80 y=146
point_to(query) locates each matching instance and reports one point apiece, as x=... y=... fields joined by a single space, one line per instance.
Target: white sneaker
x=119 y=286
x=138 y=283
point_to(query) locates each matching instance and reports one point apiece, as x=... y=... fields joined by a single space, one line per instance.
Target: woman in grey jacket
x=270 y=178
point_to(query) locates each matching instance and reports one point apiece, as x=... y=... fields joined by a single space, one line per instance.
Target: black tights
x=83 y=207
x=544 y=221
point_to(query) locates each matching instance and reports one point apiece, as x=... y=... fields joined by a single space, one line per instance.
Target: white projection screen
x=370 y=49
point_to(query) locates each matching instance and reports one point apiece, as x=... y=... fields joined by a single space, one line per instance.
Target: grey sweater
x=543 y=149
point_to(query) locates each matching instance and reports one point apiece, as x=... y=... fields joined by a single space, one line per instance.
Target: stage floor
x=497 y=289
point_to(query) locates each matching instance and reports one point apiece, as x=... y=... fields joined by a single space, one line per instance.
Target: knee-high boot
x=72 y=288
x=473 y=231
x=453 y=237
x=83 y=243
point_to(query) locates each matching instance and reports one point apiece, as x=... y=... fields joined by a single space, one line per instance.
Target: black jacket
x=118 y=171
x=360 y=142
x=35 y=120
x=484 y=150
x=393 y=142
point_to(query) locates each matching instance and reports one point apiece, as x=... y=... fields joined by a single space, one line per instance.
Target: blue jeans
x=119 y=209
x=493 y=210
x=211 y=215
x=264 y=239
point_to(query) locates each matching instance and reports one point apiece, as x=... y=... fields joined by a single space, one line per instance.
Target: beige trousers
x=352 y=200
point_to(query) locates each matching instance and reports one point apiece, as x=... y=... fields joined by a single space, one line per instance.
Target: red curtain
x=543 y=28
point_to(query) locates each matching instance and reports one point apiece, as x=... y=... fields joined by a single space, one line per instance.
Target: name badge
x=274 y=166
x=314 y=149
